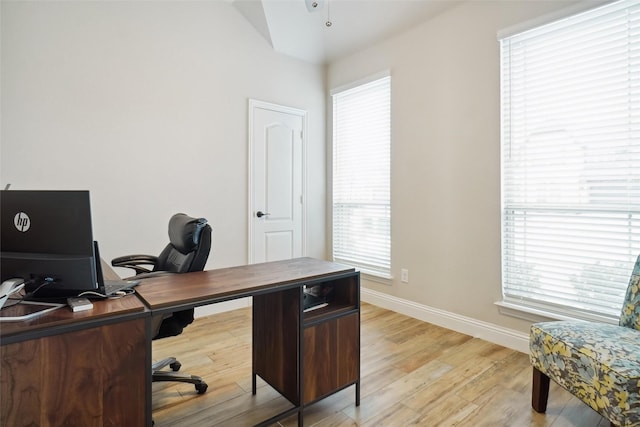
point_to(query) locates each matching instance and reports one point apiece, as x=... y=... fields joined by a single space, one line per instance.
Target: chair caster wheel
x=201 y=388
x=175 y=366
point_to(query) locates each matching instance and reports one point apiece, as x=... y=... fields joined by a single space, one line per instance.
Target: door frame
x=253 y=105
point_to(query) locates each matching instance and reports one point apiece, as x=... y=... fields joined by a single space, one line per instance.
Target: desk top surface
x=189 y=289
x=204 y=287
x=63 y=316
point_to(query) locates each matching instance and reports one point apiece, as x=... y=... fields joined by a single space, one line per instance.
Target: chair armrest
x=136 y=262
x=151 y=274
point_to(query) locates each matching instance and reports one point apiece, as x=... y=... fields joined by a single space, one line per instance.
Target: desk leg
x=358 y=393
x=300 y=418
x=253 y=383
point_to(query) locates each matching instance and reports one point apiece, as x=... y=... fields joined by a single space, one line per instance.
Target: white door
x=276 y=181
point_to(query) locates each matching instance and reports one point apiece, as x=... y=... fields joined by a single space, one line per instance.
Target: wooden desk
x=92 y=368
x=304 y=356
x=84 y=369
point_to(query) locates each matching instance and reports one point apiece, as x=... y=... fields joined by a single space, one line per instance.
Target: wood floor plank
x=430 y=396
x=412 y=373
x=400 y=390
x=397 y=414
x=449 y=411
x=325 y=409
x=500 y=406
x=379 y=379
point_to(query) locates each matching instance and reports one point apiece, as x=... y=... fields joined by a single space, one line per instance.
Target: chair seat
x=598 y=363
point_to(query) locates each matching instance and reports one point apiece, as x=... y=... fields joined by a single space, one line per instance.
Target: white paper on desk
x=27 y=310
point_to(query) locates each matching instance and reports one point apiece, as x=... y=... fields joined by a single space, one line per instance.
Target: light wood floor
x=413 y=373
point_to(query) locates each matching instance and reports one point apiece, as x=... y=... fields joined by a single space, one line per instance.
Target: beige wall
x=445 y=107
x=145 y=104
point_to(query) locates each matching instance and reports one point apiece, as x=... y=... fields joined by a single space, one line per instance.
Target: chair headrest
x=184 y=232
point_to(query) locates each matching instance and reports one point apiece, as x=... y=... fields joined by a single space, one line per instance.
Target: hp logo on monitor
x=22 y=222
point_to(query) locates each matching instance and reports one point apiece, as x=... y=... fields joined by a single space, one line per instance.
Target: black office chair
x=188 y=250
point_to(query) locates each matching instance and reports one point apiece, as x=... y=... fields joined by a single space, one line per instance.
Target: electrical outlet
x=404 y=275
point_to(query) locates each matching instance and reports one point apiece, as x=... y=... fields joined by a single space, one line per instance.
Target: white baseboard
x=509 y=338
x=221 y=307
x=505 y=337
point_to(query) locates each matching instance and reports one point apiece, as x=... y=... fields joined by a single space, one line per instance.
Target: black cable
x=119 y=294
x=30 y=283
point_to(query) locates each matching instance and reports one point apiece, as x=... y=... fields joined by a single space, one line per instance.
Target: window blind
x=361 y=177
x=570 y=96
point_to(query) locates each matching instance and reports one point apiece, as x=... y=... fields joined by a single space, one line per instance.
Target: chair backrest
x=189 y=245
x=630 y=316
x=187 y=251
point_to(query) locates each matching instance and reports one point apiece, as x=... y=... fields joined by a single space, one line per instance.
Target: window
x=571 y=162
x=361 y=177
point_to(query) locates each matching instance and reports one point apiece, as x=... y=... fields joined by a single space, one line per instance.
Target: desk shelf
x=332 y=310
x=345 y=297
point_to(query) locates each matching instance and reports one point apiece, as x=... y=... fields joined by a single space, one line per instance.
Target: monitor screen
x=46 y=238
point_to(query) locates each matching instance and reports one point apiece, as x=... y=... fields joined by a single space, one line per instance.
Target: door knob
x=260 y=214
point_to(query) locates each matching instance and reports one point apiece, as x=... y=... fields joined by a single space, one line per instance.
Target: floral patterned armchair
x=598 y=363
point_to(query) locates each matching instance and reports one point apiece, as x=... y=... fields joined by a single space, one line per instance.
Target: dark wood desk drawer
x=331 y=356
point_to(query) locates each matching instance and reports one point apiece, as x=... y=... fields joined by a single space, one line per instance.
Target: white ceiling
x=355 y=24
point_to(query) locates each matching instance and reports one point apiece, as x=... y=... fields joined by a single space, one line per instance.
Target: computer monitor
x=46 y=239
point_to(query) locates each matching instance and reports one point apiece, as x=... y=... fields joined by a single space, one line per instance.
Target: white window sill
x=539 y=313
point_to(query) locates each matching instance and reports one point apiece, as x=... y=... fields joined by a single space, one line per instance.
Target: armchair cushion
x=630 y=316
x=598 y=363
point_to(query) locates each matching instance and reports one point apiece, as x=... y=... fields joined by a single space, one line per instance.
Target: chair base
x=157 y=375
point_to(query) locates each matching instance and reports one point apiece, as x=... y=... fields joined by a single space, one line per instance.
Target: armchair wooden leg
x=540 y=391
